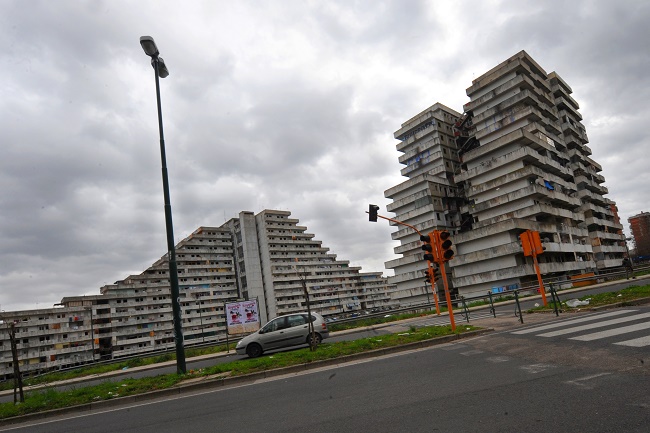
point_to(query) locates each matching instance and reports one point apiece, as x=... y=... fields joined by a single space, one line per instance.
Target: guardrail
x=554 y=285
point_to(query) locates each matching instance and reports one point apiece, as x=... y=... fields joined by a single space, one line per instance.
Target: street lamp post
x=198 y=302
x=161 y=71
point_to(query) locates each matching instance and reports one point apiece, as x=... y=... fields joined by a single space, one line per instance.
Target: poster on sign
x=242 y=317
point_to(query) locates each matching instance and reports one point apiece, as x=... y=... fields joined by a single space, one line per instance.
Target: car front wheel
x=316 y=341
x=254 y=350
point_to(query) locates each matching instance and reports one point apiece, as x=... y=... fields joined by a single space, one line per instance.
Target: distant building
x=266 y=257
x=640 y=227
x=519 y=161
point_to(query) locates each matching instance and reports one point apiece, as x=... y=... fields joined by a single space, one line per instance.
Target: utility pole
x=310 y=321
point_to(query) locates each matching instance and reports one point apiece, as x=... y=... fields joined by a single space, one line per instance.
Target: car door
x=273 y=334
x=298 y=329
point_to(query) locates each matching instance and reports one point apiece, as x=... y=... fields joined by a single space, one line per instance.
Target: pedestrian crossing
x=459 y=318
x=623 y=327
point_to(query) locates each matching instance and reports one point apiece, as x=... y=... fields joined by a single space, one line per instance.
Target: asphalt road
x=543 y=376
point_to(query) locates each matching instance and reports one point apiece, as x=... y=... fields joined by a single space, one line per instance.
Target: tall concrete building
x=523 y=164
x=640 y=227
x=428 y=200
x=268 y=257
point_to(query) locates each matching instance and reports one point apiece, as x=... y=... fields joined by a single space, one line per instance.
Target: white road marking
x=595 y=325
x=637 y=342
x=612 y=332
x=579 y=382
x=571 y=322
x=496 y=359
x=472 y=352
x=536 y=368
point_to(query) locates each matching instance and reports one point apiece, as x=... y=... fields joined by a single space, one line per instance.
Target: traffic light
x=445 y=243
x=429 y=247
x=372 y=212
x=435 y=274
x=429 y=275
x=525 y=244
x=432 y=275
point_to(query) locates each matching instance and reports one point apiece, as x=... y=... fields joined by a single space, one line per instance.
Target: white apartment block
x=47 y=339
x=286 y=256
x=523 y=165
x=265 y=257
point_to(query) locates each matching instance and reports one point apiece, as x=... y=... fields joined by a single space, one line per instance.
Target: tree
x=18 y=378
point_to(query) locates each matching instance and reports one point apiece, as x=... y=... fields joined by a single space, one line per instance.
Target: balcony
x=608 y=263
x=588 y=206
x=520 y=271
x=527 y=154
x=571 y=130
x=587 y=195
x=606 y=235
x=609 y=249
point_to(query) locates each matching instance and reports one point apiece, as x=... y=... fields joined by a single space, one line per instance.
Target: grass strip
x=628 y=294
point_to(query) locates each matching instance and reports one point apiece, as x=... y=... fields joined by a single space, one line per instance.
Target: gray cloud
x=286 y=105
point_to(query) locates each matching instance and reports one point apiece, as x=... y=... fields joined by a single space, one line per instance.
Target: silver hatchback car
x=283 y=331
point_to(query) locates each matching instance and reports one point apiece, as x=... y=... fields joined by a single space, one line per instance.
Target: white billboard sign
x=242 y=317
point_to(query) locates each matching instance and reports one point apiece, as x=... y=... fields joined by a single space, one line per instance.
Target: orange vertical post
x=539 y=279
x=532 y=246
x=450 y=308
x=432 y=280
x=437 y=245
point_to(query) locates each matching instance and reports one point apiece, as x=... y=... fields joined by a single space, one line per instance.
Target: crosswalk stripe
x=595 y=325
x=461 y=317
x=571 y=322
x=637 y=342
x=612 y=332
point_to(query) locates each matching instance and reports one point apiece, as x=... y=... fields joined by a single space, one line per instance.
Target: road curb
x=238 y=380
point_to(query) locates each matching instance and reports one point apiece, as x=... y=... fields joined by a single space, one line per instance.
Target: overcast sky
x=285 y=105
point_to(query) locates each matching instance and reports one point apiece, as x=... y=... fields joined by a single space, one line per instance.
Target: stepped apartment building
x=266 y=257
x=519 y=161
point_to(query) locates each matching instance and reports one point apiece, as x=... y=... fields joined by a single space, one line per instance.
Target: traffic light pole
x=450 y=307
x=539 y=279
x=432 y=281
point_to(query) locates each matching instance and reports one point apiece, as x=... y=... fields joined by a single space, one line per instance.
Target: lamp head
x=149 y=46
